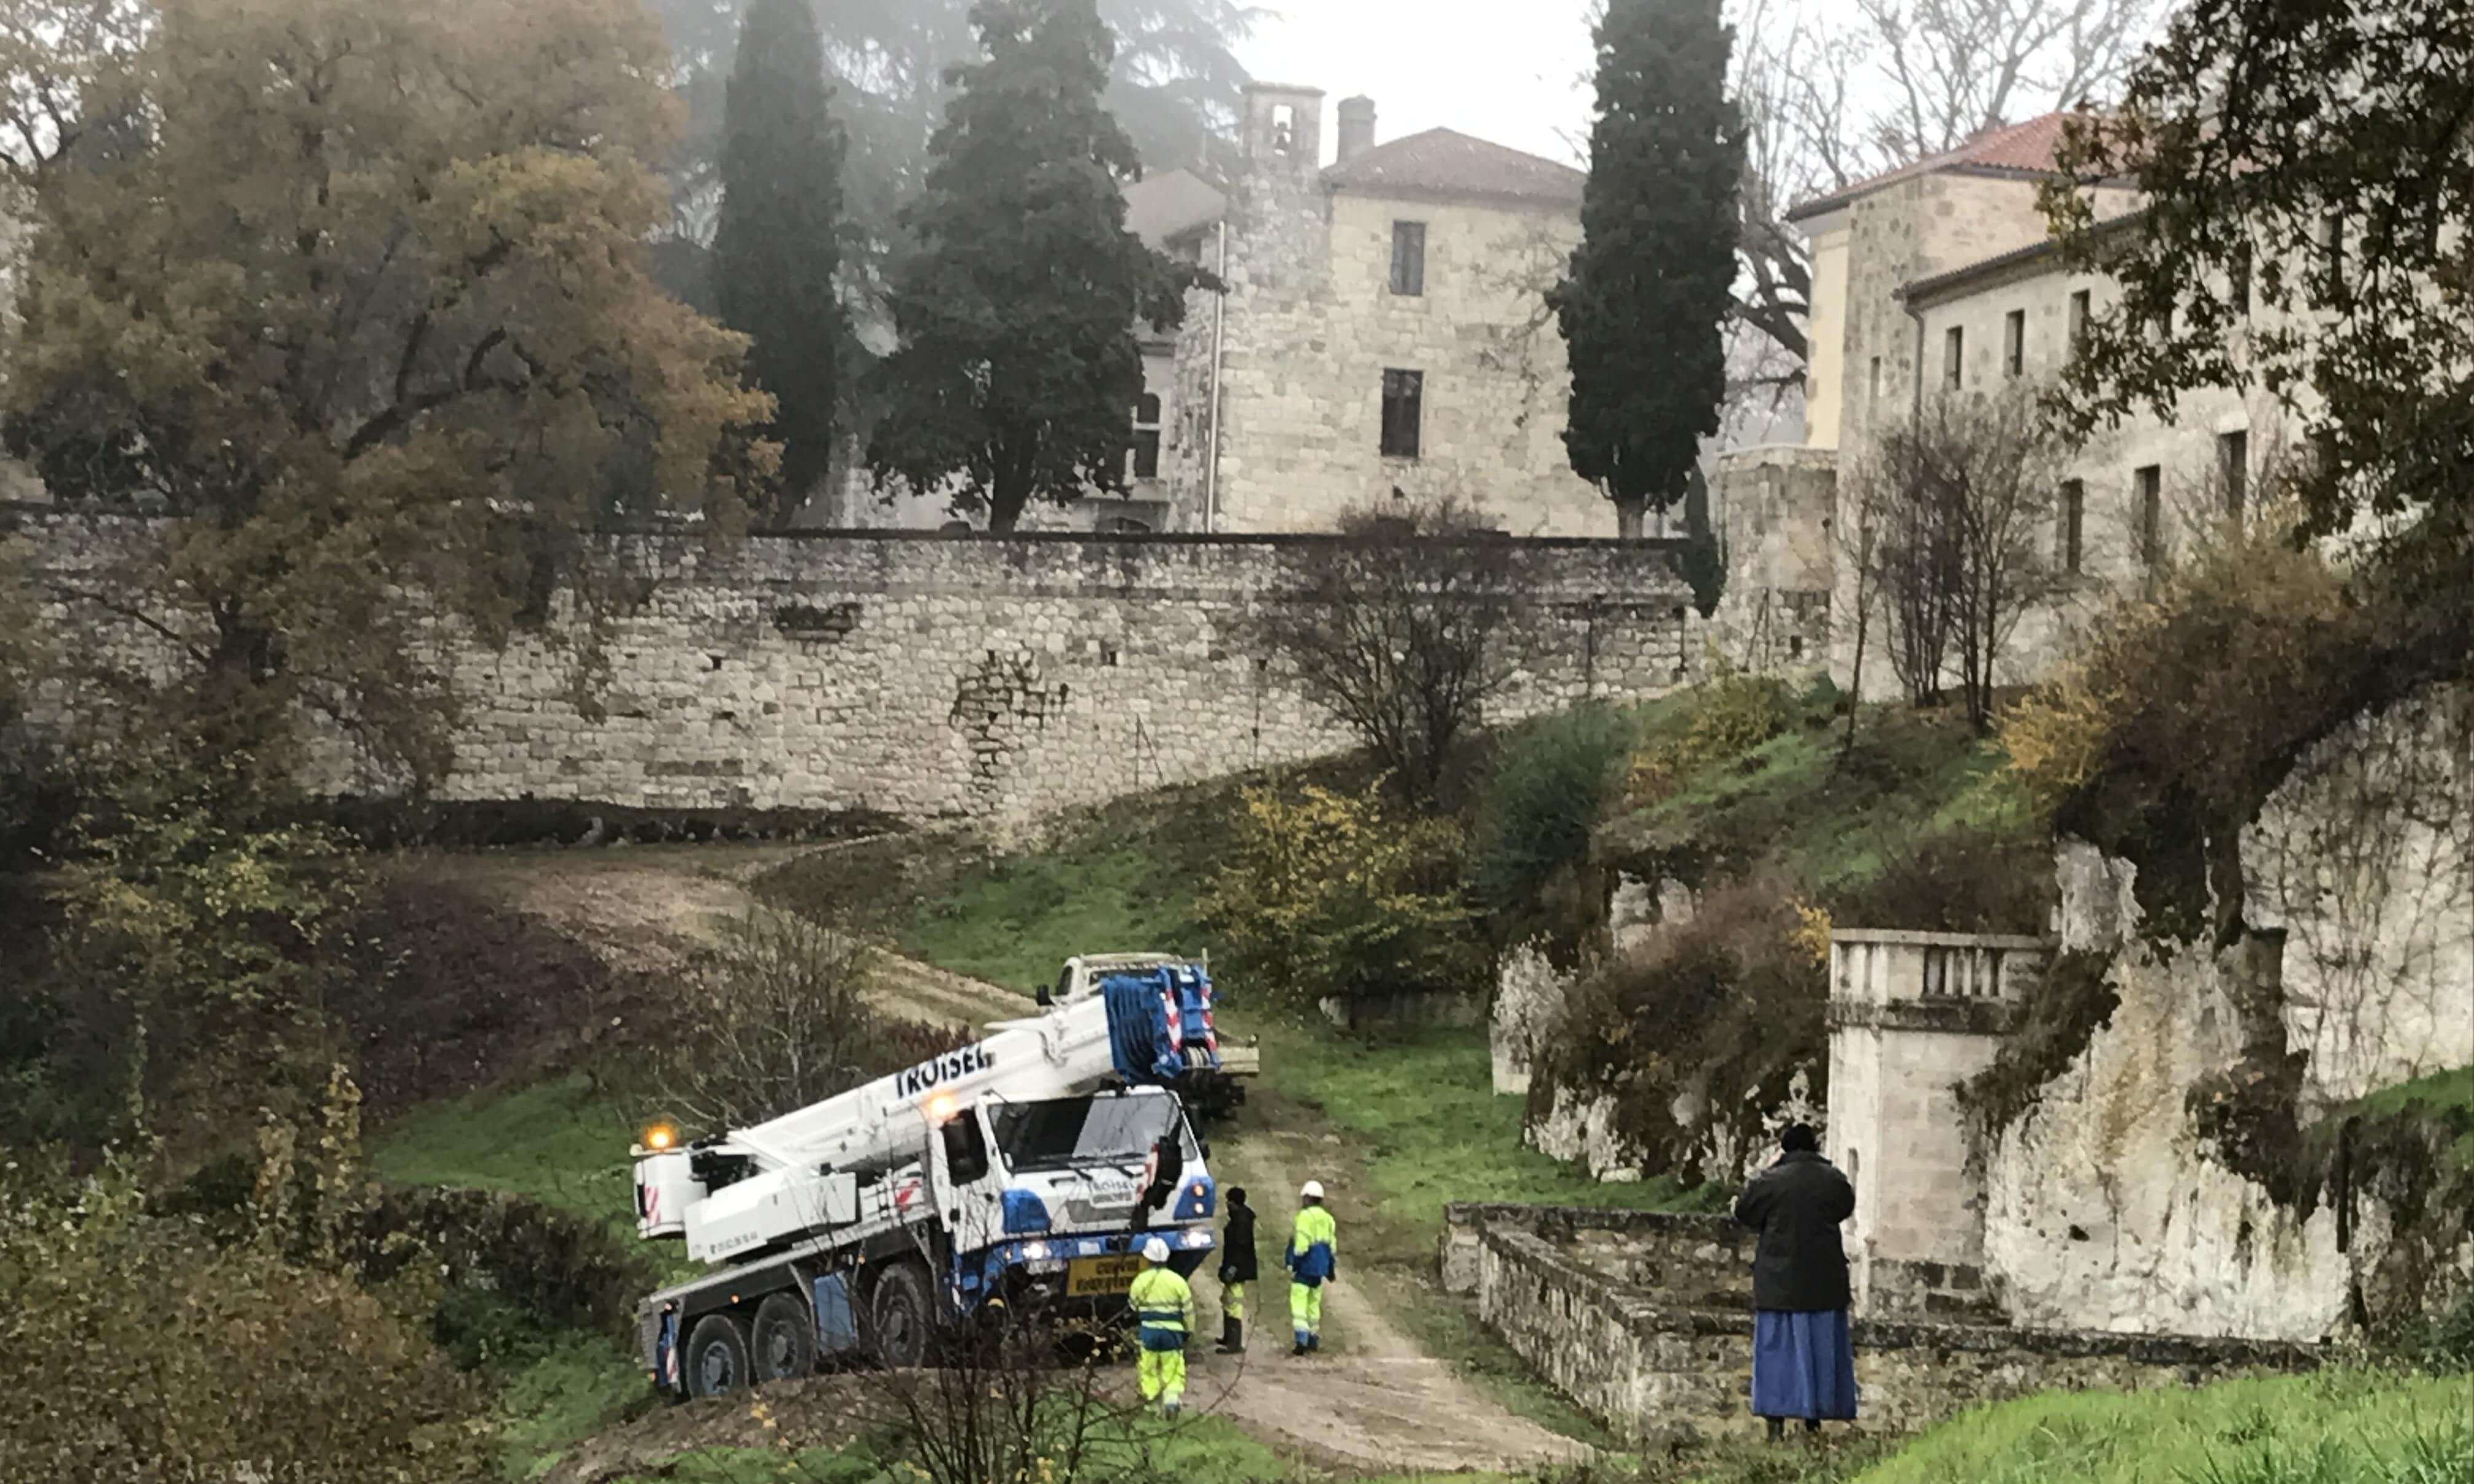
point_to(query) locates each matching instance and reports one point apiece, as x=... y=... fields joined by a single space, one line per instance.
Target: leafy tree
x=1653 y=279
x=1331 y=895
x=355 y=297
x=776 y=249
x=2308 y=188
x=1017 y=365
x=1175 y=81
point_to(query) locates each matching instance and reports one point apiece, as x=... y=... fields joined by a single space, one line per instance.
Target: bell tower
x=1283 y=129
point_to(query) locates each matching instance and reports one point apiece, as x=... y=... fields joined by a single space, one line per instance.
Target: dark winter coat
x=1796 y=1206
x=1237 y=1246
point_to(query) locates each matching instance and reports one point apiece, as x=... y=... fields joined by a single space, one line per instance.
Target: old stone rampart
x=928 y=677
x=1645 y=1321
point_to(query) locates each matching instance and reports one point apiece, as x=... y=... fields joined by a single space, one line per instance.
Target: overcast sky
x=1505 y=71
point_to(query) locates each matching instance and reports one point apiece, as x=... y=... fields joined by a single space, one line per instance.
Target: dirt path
x=1369 y=1399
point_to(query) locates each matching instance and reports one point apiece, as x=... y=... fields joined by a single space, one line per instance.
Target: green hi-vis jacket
x=1163 y=1308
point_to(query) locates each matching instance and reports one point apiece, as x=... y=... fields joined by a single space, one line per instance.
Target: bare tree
x=1399 y=630
x=776 y=1016
x=1958 y=512
x=1835 y=92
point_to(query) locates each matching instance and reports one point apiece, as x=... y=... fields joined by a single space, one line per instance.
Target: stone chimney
x=1356 y=127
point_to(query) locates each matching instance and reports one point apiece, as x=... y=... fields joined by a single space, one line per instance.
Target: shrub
x=1700 y=1031
x=1733 y=712
x=1956 y=880
x=1540 y=801
x=2185 y=711
x=1331 y=895
x=140 y=1349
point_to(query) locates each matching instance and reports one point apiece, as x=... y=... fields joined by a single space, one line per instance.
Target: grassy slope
x=2448 y=1096
x=1828 y=815
x=2342 y=1427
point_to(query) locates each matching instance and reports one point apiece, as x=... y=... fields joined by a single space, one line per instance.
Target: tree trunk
x=1631 y=517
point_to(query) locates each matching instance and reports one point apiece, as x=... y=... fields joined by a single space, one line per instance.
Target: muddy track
x=1369 y=1399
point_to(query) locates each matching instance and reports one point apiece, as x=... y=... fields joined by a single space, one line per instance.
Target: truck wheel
x=902 y=1316
x=717 y=1358
x=786 y=1338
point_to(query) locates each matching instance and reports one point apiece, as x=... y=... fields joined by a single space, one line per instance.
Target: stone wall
x=930 y=678
x=1644 y=1321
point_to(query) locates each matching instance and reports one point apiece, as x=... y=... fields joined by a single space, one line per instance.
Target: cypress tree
x=776 y=246
x=1650 y=286
x=1018 y=371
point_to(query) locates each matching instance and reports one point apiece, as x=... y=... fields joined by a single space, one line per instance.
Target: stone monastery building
x=1941 y=279
x=1382 y=338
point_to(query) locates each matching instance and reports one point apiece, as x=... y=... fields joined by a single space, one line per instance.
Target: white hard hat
x=1155 y=1251
x=1311 y=1190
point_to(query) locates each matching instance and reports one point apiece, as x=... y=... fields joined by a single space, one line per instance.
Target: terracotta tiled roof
x=1164 y=205
x=1445 y=163
x=2025 y=149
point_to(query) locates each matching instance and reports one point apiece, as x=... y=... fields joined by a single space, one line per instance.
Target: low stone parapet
x=1654 y=1372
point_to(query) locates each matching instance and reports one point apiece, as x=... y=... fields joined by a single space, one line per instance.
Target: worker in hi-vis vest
x=1313 y=1260
x=1163 y=1308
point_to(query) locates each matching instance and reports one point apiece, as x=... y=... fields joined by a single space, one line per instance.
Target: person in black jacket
x=1804 y=1361
x=1236 y=1271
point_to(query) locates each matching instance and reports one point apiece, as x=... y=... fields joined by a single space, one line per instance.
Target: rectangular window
x=1873 y=384
x=2014 y=342
x=2237 y=278
x=1147 y=438
x=1404 y=394
x=1408 y=258
x=2233 y=468
x=2148 y=487
x=2071 y=537
x=1954 y=357
x=2332 y=239
x=2079 y=311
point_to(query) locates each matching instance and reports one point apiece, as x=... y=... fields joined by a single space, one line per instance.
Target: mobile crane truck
x=1027 y=1169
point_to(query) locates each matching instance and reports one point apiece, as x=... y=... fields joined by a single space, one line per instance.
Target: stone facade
x=1311 y=324
x=1957 y=244
x=933 y=678
x=1645 y=1321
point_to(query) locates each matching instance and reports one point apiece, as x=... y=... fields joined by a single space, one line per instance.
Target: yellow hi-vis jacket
x=1314 y=1246
x=1163 y=1308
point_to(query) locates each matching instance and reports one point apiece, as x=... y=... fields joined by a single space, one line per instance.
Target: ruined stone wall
x=1646 y=1322
x=958 y=677
x=2108 y=1208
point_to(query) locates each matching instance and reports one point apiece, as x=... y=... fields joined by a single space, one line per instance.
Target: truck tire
x=902 y=1316
x=785 y=1339
x=717 y=1359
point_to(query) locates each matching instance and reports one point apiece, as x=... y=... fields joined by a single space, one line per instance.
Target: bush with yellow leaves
x=1733 y=712
x=1334 y=896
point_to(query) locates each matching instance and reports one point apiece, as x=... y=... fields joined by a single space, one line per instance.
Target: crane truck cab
x=1026 y=1169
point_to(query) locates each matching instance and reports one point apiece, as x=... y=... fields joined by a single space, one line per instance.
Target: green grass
x=1420 y=1113
x=581 y=1385
x=559 y=1144
x=2442 y=1096
x=2337 y=1427
x=1015 y=920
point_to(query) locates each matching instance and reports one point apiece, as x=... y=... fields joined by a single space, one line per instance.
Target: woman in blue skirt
x=1804 y=1362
